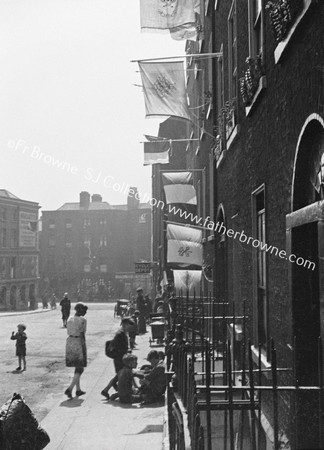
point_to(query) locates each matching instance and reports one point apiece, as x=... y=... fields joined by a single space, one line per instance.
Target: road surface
x=46 y=377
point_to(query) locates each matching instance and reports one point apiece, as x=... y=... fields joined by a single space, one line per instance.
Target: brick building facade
x=84 y=245
x=19 y=276
x=258 y=110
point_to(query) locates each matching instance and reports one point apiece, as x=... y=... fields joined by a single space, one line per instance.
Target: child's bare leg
x=112 y=383
x=24 y=362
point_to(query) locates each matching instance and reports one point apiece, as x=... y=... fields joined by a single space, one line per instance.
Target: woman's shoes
x=68 y=393
x=78 y=393
x=18 y=368
x=105 y=394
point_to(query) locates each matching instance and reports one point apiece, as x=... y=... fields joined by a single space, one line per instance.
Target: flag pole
x=170 y=140
x=183 y=170
x=187 y=225
x=192 y=55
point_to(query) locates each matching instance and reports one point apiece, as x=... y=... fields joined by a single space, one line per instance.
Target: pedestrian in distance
x=120 y=342
x=44 y=301
x=141 y=307
x=76 y=350
x=156 y=301
x=149 y=306
x=53 y=301
x=123 y=382
x=65 y=308
x=20 y=338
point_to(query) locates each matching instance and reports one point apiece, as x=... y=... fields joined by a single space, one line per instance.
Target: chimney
x=132 y=201
x=96 y=198
x=84 y=199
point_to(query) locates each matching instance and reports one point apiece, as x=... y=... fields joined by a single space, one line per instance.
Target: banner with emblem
x=179 y=17
x=184 y=246
x=164 y=89
x=187 y=281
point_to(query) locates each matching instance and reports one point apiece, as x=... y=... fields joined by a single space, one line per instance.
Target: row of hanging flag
x=165 y=95
x=184 y=243
x=180 y=18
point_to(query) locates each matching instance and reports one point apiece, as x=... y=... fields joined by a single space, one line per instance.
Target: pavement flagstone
x=92 y=422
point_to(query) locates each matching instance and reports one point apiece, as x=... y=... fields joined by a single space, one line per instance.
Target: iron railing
x=228 y=392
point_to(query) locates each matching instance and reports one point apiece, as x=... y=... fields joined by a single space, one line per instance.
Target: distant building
x=18 y=252
x=84 y=245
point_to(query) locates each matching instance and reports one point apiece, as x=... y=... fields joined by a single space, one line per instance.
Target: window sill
x=262 y=85
x=265 y=364
x=232 y=136
x=281 y=47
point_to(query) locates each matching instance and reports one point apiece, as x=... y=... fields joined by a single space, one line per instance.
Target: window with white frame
x=209 y=79
x=232 y=52
x=256 y=32
x=68 y=223
x=260 y=268
x=211 y=188
x=103 y=240
x=220 y=80
x=220 y=99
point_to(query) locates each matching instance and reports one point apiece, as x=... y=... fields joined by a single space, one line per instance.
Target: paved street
x=47 y=377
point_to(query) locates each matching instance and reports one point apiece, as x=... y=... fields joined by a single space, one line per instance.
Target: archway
x=3 y=297
x=305 y=239
x=31 y=296
x=13 y=297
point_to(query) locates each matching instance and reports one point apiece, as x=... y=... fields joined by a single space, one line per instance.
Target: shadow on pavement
x=72 y=403
x=148 y=429
x=134 y=405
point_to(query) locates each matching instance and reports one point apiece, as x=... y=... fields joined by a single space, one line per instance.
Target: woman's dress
x=76 y=350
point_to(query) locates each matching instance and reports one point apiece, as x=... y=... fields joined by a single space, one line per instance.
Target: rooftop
x=93 y=206
x=7 y=194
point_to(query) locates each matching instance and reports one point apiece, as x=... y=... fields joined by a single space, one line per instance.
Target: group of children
x=152 y=380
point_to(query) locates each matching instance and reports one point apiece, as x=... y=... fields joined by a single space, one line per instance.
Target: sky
x=71 y=119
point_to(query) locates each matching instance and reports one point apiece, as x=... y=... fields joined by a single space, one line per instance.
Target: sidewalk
x=92 y=422
x=31 y=311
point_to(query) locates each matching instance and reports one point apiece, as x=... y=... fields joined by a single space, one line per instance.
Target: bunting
x=156 y=151
x=178 y=188
x=179 y=17
x=164 y=89
x=184 y=246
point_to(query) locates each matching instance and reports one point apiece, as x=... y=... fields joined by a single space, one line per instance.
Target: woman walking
x=76 y=351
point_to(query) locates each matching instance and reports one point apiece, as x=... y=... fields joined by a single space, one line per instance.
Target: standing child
x=20 y=337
